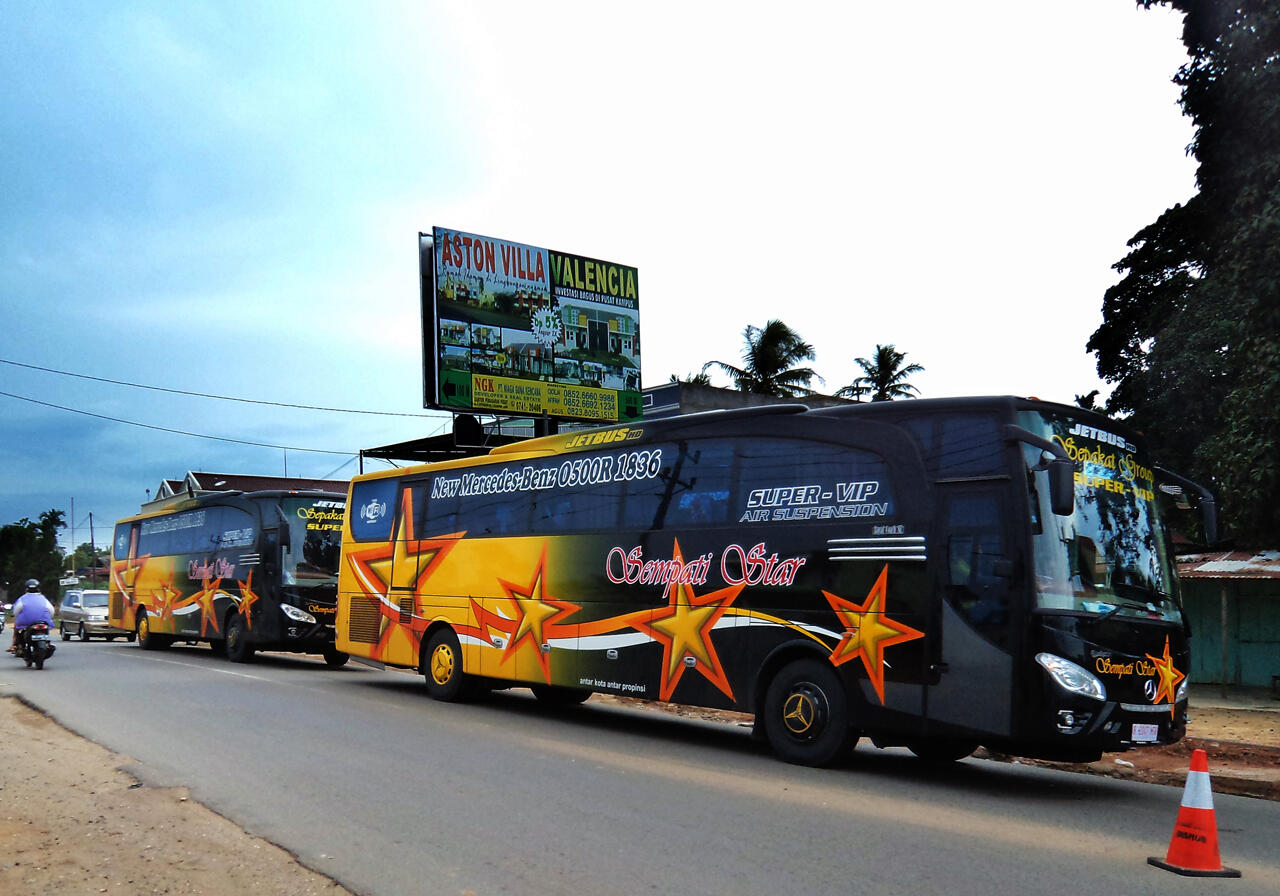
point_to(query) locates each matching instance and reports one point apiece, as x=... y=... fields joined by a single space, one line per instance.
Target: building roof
x=172 y=491
x=1230 y=565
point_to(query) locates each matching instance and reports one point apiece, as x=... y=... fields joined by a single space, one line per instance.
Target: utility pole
x=93 y=554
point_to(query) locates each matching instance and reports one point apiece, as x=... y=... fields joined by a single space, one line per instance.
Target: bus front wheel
x=236 y=645
x=806 y=714
x=442 y=667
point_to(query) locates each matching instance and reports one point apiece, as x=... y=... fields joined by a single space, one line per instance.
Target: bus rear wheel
x=442 y=667
x=806 y=714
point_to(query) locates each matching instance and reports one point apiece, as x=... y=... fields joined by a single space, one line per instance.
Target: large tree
x=30 y=551
x=770 y=356
x=1191 y=334
x=884 y=376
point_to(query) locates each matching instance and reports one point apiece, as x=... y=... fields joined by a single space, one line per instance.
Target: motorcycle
x=37 y=646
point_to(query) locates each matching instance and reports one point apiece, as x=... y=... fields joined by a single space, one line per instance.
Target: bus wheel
x=806 y=714
x=442 y=667
x=238 y=648
x=553 y=695
x=942 y=750
x=146 y=639
x=335 y=658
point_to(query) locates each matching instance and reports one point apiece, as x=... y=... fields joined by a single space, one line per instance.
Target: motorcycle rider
x=31 y=608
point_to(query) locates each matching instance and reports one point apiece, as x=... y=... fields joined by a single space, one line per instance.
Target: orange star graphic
x=166 y=601
x=684 y=630
x=204 y=598
x=1167 y=678
x=867 y=631
x=536 y=615
x=247 y=599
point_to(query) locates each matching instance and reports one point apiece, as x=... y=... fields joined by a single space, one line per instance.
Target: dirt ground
x=72 y=822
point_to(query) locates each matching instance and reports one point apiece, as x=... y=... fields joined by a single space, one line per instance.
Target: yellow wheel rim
x=442 y=664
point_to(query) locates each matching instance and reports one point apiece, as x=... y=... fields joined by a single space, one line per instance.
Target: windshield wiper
x=1122 y=605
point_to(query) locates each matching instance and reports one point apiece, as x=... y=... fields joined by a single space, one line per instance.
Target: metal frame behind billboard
x=512 y=329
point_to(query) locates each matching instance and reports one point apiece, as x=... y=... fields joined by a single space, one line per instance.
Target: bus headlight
x=1183 y=689
x=298 y=615
x=1071 y=677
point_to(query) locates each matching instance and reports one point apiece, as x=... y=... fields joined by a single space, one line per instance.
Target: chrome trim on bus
x=1146 y=707
x=887 y=547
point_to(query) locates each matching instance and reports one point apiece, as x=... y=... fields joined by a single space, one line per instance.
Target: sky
x=224 y=198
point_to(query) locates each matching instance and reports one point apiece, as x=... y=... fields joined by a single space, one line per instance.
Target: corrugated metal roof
x=1230 y=565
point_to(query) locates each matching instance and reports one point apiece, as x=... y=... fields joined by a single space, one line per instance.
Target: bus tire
x=806 y=714
x=442 y=667
x=335 y=658
x=555 y=695
x=237 y=645
x=147 y=640
x=942 y=750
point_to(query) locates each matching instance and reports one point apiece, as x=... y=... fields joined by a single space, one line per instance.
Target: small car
x=84 y=613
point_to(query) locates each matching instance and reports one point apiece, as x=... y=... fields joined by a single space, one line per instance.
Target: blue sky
x=225 y=197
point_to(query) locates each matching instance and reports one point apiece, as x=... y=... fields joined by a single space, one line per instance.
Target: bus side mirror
x=1062 y=486
x=1062 y=469
x=1209 y=510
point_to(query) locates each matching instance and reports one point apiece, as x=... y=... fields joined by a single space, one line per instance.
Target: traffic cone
x=1193 y=851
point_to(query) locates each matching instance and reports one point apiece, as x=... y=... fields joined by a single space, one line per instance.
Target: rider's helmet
x=32 y=584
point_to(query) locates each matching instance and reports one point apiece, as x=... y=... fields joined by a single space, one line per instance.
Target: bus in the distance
x=935 y=574
x=244 y=571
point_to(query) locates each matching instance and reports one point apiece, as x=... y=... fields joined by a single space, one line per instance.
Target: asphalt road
x=367 y=779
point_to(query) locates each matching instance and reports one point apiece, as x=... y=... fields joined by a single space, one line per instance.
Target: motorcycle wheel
x=39 y=659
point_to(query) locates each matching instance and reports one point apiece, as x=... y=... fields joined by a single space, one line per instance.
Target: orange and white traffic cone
x=1193 y=851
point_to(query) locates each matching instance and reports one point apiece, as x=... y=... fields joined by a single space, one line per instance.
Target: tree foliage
x=770 y=356
x=30 y=551
x=884 y=376
x=1191 y=334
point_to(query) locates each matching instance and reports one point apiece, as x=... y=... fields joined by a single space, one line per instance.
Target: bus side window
x=977 y=588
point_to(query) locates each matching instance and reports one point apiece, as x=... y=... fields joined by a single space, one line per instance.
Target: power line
x=278 y=404
x=179 y=432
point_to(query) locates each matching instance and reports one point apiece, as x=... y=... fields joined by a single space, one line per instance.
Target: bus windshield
x=1111 y=555
x=310 y=554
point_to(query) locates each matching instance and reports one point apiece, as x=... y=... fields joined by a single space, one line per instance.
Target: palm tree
x=884 y=376
x=769 y=357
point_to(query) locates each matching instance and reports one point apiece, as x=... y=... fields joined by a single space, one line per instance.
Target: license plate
x=1145 y=734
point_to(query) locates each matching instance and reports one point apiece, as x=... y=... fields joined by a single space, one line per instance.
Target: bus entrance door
x=970 y=682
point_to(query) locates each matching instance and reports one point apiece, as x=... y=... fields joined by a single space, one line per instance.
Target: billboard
x=512 y=329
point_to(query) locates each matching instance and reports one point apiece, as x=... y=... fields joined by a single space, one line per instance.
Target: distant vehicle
x=84 y=613
x=936 y=574
x=244 y=571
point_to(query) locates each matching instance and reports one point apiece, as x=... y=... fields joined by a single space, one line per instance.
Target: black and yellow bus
x=935 y=574
x=244 y=571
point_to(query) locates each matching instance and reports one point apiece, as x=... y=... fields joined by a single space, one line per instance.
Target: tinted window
x=785 y=480
x=957 y=446
x=372 y=506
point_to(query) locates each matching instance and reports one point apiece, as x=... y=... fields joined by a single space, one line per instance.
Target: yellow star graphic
x=684 y=629
x=247 y=599
x=867 y=631
x=1167 y=678
x=538 y=614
